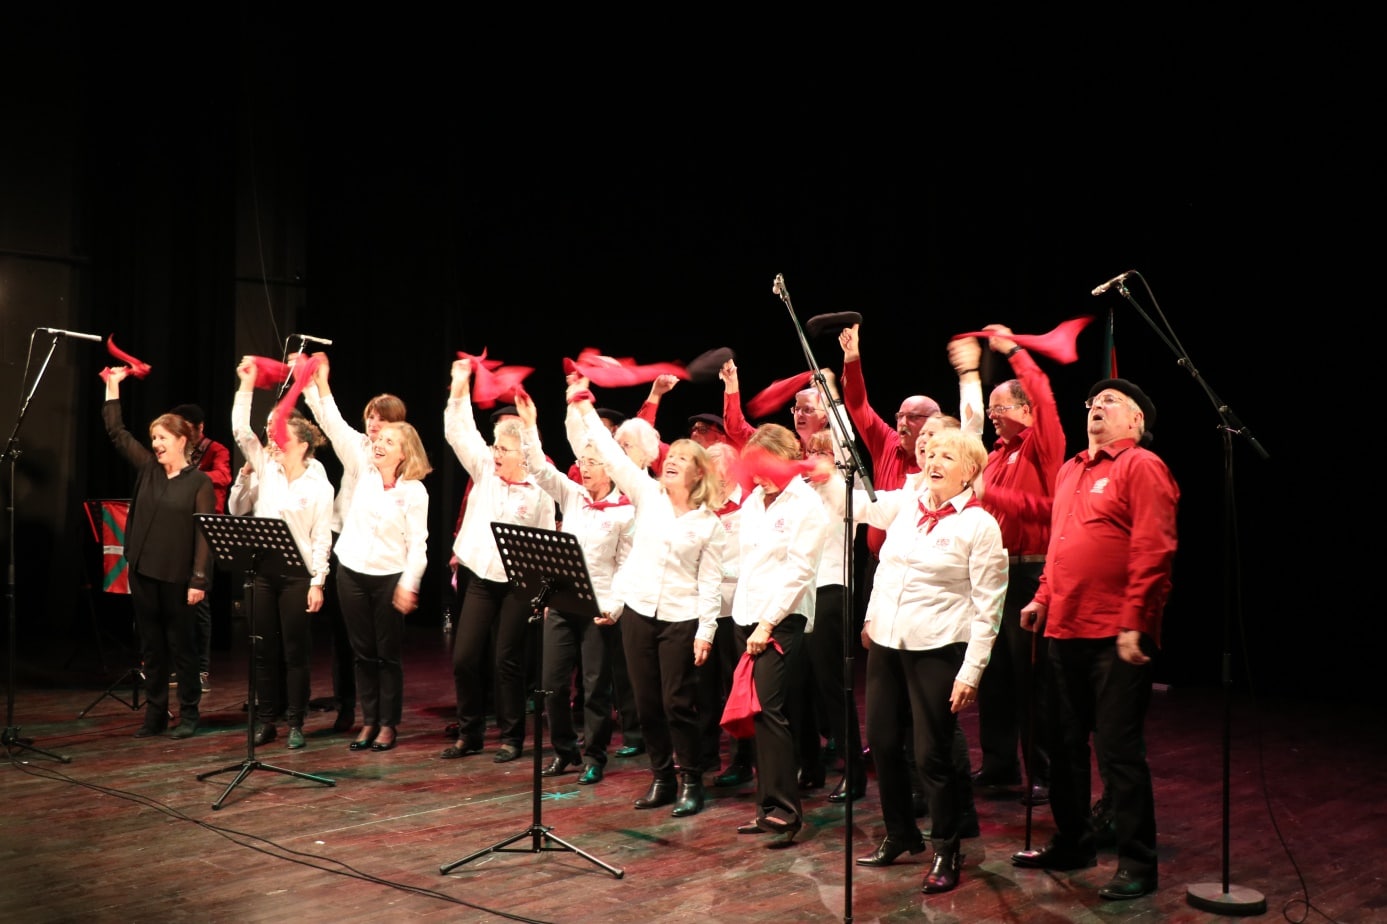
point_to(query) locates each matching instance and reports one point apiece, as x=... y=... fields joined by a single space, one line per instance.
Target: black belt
x=1026 y=560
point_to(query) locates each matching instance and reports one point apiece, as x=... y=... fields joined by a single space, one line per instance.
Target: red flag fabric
x=493 y=381
x=138 y=368
x=755 y=462
x=1059 y=344
x=303 y=369
x=777 y=394
x=614 y=372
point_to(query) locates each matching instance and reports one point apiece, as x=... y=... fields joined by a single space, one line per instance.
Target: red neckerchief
x=934 y=516
x=604 y=504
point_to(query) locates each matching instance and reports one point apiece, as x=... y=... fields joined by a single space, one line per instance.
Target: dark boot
x=690 y=795
x=943 y=873
x=661 y=792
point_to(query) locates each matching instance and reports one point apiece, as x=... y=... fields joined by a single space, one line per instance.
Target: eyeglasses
x=802 y=409
x=906 y=415
x=1106 y=401
x=589 y=463
x=500 y=448
x=702 y=428
x=1002 y=409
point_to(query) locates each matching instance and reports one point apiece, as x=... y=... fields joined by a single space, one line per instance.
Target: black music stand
x=255 y=544
x=549 y=565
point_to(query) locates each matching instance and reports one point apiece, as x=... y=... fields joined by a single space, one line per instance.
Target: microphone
x=72 y=333
x=1117 y=280
x=323 y=340
x=778 y=286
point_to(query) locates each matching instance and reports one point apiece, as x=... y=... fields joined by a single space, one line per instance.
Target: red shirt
x=1028 y=463
x=1112 y=544
x=891 y=464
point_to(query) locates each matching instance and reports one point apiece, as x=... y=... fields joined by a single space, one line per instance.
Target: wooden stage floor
x=125 y=831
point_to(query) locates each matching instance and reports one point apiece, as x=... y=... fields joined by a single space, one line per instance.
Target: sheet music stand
x=254 y=544
x=549 y=565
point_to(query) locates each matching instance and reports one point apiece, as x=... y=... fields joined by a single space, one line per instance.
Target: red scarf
x=934 y=516
x=604 y=504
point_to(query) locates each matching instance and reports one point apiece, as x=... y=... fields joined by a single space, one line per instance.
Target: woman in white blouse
x=671 y=588
x=935 y=606
x=381 y=556
x=293 y=486
x=503 y=492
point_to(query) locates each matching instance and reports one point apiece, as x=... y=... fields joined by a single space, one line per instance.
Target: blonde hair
x=415 y=464
x=702 y=491
x=968 y=447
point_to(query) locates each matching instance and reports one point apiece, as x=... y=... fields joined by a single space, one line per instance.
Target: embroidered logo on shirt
x=1098 y=486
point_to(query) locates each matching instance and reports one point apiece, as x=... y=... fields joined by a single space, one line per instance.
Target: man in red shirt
x=1026 y=456
x=1100 y=603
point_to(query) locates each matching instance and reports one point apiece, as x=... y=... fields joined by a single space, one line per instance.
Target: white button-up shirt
x=780 y=550
x=674 y=571
x=492 y=498
x=936 y=588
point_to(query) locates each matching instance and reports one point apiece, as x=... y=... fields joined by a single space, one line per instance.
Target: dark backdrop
x=393 y=188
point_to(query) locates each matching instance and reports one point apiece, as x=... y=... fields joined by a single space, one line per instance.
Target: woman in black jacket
x=169 y=558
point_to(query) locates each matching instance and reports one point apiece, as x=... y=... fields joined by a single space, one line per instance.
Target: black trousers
x=489 y=606
x=826 y=653
x=169 y=640
x=377 y=633
x=911 y=690
x=659 y=659
x=1011 y=694
x=283 y=626
x=1096 y=693
x=777 y=674
x=570 y=641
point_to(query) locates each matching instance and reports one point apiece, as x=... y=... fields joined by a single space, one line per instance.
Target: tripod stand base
x=1210 y=896
x=12 y=740
x=539 y=836
x=250 y=765
x=133 y=678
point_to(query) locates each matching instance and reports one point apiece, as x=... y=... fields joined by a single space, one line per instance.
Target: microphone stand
x=12 y=739
x=850 y=463
x=1218 y=898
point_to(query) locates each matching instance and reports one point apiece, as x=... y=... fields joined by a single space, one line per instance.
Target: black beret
x=505 y=410
x=1130 y=389
x=191 y=413
x=713 y=420
x=706 y=367
x=615 y=417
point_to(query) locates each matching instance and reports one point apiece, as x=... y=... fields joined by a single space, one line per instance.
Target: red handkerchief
x=777 y=395
x=1059 y=344
x=613 y=372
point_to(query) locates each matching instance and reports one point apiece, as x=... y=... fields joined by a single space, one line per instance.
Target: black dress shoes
x=264 y=733
x=840 y=792
x=506 y=754
x=379 y=745
x=363 y=743
x=889 y=849
x=630 y=750
x=463 y=747
x=661 y=792
x=187 y=727
x=735 y=775
x=812 y=778
x=1127 y=884
x=560 y=764
x=592 y=773
x=1056 y=857
x=1039 y=795
x=752 y=827
x=147 y=731
x=690 y=801
x=987 y=778
x=943 y=873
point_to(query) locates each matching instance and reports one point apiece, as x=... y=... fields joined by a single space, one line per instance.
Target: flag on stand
x=1109 y=349
x=115 y=576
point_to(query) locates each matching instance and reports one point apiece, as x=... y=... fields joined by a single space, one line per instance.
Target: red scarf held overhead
x=934 y=516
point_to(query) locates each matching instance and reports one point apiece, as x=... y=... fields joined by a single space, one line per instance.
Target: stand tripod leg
x=134 y=677
x=13 y=741
x=249 y=766
x=537 y=831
